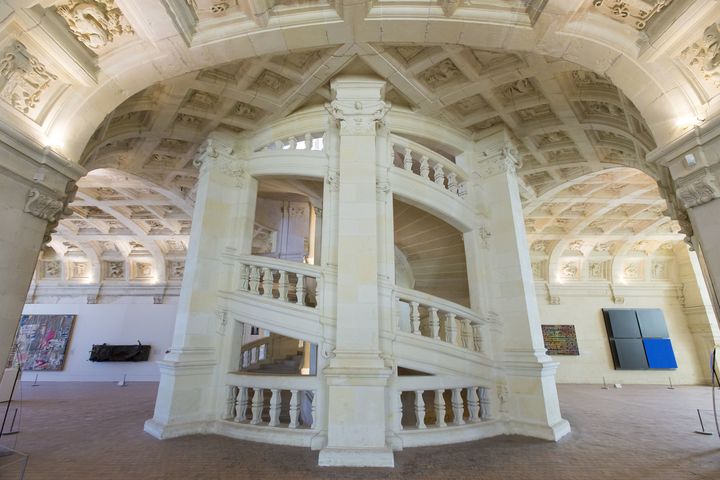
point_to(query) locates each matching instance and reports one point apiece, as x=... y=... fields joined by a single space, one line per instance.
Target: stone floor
x=94 y=431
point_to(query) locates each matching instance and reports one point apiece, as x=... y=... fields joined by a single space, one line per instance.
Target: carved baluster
x=452 y=184
x=420 y=409
x=278 y=144
x=439 y=174
x=243 y=285
x=399 y=411
x=308 y=141
x=434 y=323
x=450 y=329
x=424 y=167
x=241 y=404
x=258 y=402
x=294 y=408
x=317 y=293
x=440 y=408
x=274 y=408
x=254 y=280
x=484 y=404
x=477 y=336
x=283 y=285
x=415 y=317
x=408 y=160
x=267 y=282
x=467 y=336
x=324 y=140
x=292 y=141
x=229 y=402
x=462 y=190
x=300 y=289
x=313 y=409
x=473 y=404
x=457 y=406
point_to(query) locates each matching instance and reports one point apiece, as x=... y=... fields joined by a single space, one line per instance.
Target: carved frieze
x=636 y=13
x=175 y=269
x=704 y=54
x=23 y=79
x=95 y=23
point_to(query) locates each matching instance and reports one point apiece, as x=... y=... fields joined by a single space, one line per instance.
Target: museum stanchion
x=12 y=463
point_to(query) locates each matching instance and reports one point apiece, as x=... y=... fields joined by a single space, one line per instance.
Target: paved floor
x=94 y=431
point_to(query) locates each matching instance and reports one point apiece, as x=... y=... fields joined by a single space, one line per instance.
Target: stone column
x=527 y=395
x=222 y=221
x=699 y=195
x=36 y=185
x=357 y=375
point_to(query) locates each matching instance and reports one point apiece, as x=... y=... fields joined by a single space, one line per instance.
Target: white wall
x=584 y=310
x=118 y=324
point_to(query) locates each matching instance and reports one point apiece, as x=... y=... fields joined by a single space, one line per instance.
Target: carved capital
x=698 y=189
x=333 y=180
x=506 y=160
x=23 y=79
x=358 y=117
x=43 y=206
x=213 y=154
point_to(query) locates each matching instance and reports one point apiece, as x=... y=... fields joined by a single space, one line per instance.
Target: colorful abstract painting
x=560 y=339
x=42 y=341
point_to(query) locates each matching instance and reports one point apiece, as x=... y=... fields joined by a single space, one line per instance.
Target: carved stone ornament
x=221 y=321
x=95 y=23
x=333 y=180
x=636 y=13
x=43 y=206
x=23 y=78
x=704 y=54
x=359 y=117
x=507 y=161
x=698 y=190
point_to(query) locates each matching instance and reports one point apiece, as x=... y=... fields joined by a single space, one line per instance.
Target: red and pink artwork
x=41 y=342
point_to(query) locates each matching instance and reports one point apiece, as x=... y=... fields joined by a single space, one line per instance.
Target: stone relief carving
x=539 y=246
x=52 y=269
x=704 y=54
x=636 y=13
x=143 y=270
x=698 y=190
x=23 y=78
x=659 y=270
x=632 y=271
x=597 y=270
x=79 y=270
x=441 y=73
x=175 y=269
x=95 y=23
x=271 y=81
x=115 y=270
x=263 y=240
x=569 y=270
x=576 y=246
x=43 y=206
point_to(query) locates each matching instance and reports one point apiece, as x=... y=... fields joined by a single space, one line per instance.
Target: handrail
x=429 y=165
x=432 y=382
x=442 y=303
x=277 y=263
x=425 y=314
x=283 y=382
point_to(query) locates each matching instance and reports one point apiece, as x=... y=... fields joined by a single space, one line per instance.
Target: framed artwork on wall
x=41 y=342
x=560 y=339
x=639 y=339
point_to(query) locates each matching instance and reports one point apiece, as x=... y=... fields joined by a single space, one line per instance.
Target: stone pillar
x=36 y=185
x=357 y=375
x=527 y=395
x=222 y=220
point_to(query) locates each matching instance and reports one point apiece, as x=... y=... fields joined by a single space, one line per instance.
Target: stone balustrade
x=289 y=282
x=266 y=401
x=433 y=317
x=429 y=165
x=308 y=141
x=439 y=402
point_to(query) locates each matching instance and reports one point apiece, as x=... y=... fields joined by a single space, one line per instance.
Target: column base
x=163 y=431
x=356 y=457
x=545 y=432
